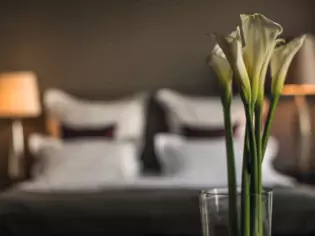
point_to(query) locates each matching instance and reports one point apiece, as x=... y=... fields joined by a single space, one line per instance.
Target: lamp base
x=304 y=133
x=16 y=157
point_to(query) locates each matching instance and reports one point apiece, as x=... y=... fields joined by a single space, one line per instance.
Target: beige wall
x=106 y=48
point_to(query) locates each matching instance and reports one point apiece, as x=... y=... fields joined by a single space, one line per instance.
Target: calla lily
x=280 y=63
x=222 y=67
x=260 y=35
x=232 y=49
x=263 y=72
x=245 y=56
x=220 y=64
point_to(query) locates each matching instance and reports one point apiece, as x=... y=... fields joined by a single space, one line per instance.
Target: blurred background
x=107 y=49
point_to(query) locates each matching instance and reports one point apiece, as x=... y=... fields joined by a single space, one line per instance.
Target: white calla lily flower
x=232 y=49
x=280 y=63
x=244 y=56
x=260 y=34
x=222 y=67
x=263 y=73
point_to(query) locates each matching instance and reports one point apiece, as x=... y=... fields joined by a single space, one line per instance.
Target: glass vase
x=214 y=207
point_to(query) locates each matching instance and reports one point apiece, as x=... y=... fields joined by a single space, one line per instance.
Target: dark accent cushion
x=197 y=132
x=156 y=123
x=73 y=133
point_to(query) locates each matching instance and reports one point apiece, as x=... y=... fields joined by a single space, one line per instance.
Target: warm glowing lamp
x=19 y=98
x=300 y=82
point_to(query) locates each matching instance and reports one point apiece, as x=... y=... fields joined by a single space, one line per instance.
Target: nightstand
x=7 y=183
x=306 y=177
x=4 y=184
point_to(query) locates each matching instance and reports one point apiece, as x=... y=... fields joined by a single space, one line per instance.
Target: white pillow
x=38 y=142
x=127 y=114
x=90 y=161
x=196 y=111
x=202 y=159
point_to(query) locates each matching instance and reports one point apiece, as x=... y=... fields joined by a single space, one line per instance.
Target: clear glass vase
x=214 y=207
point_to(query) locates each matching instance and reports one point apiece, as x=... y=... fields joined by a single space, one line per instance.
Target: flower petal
x=263 y=73
x=221 y=66
x=259 y=35
x=280 y=62
x=232 y=49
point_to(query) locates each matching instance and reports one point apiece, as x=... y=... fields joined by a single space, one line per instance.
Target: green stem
x=254 y=165
x=252 y=146
x=264 y=142
x=233 y=218
x=270 y=116
x=258 y=123
x=245 y=198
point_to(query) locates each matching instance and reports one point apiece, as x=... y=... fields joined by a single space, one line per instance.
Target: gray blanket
x=134 y=212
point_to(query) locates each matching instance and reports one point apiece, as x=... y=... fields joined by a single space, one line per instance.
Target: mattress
x=142 y=182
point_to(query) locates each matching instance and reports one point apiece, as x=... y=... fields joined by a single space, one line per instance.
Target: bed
x=134 y=212
x=146 y=204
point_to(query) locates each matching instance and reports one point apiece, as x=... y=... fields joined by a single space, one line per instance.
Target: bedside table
x=4 y=184
x=306 y=178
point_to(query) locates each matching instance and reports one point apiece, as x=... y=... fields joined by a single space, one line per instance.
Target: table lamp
x=300 y=82
x=19 y=98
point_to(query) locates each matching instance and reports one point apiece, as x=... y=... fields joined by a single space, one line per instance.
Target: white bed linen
x=84 y=161
x=206 y=159
x=79 y=113
x=142 y=182
x=198 y=111
x=209 y=179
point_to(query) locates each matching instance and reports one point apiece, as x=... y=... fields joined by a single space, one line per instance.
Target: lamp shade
x=301 y=75
x=19 y=96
